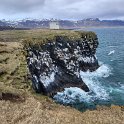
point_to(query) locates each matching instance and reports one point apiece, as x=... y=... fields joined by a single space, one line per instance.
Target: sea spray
x=97 y=91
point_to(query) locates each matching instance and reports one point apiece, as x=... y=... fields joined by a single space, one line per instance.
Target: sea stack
x=55 y=60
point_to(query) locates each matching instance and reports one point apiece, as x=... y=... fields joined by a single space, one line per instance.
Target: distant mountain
x=6 y=28
x=66 y=24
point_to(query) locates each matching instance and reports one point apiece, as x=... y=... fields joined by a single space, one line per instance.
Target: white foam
x=102 y=71
x=97 y=91
x=121 y=86
x=91 y=80
x=71 y=95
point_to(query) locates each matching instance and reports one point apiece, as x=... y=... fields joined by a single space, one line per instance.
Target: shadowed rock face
x=57 y=65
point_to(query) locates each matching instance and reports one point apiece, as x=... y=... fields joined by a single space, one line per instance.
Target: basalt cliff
x=55 y=60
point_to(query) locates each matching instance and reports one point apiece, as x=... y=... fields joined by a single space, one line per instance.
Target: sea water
x=106 y=84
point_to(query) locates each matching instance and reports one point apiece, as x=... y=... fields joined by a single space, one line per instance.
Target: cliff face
x=57 y=63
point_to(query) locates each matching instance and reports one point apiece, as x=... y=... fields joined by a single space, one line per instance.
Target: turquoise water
x=107 y=83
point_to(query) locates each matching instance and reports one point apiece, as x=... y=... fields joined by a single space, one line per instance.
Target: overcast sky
x=62 y=9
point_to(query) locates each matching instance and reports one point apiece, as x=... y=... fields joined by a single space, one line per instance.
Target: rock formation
x=57 y=63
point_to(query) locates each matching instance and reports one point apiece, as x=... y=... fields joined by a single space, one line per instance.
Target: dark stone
x=57 y=65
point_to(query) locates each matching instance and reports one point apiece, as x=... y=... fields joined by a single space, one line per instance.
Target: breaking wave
x=97 y=92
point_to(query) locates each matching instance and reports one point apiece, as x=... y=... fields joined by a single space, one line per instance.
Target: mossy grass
x=51 y=36
x=41 y=36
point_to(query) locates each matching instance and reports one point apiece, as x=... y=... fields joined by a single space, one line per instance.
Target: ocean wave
x=103 y=71
x=120 y=87
x=97 y=91
x=112 y=46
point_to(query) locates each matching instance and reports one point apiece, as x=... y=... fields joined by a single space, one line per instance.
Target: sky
x=61 y=9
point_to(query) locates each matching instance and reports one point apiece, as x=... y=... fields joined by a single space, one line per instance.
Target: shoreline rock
x=56 y=64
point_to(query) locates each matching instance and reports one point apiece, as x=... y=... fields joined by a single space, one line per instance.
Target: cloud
x=63 y=9
x=20 y=6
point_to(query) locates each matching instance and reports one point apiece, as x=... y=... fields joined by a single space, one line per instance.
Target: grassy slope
x=20 y=105
x=13 y=70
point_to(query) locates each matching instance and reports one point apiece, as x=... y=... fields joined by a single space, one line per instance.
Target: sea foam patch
x=97 y=91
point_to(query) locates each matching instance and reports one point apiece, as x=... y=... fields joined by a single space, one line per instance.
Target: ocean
x=106 y=84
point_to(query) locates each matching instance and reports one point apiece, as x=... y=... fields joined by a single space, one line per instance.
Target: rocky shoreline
x=56 y=64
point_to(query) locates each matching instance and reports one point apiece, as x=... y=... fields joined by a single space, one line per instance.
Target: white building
x=54 y=25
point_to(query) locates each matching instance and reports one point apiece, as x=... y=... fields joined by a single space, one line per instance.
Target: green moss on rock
x=51 y=36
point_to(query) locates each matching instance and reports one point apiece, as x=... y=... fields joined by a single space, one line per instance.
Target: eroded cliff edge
x=56 y=59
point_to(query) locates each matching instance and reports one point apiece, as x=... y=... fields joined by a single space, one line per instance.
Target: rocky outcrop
x=57 y=63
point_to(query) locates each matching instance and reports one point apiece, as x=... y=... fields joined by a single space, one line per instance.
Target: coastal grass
x=40 y=36
x=13 y=67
